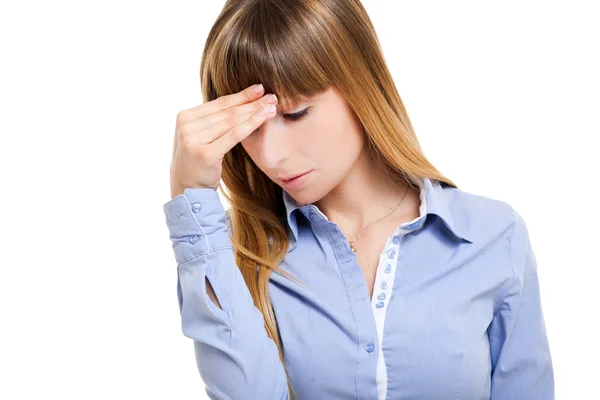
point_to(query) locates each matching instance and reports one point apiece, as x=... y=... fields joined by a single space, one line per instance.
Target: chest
x=371 y=254
x=369 y=261
x=434 y=339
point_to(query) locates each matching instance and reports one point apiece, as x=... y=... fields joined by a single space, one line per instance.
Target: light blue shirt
x=455 y=313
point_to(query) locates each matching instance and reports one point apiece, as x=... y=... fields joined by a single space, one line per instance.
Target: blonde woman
x=348 y=266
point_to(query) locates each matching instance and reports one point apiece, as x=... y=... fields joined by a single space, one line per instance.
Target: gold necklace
x=351 y=242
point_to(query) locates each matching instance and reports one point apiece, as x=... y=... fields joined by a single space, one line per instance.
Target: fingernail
x=258 y=88
x=267 y=110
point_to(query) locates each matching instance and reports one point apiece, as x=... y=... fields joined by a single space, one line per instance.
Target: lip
x=296 y=181
x=292 y=177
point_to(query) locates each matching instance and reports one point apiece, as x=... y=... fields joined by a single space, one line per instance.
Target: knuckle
x=248 y=94
x=184 y=130
x=258 y=119
x=228 y=122
x=235 y=135
x=202 y=153
x=186 y=143
x=181 y=117
x=223 y=102
x=230 y=116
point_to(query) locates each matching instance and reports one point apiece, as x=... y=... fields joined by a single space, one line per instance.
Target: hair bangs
x=269 y=47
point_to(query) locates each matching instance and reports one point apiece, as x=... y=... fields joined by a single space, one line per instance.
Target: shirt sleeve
x=520 y=353
x=234 y=355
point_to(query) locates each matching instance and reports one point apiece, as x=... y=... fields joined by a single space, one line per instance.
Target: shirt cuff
x=197 y=225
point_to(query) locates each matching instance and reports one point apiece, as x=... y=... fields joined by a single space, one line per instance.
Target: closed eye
x=296 y=116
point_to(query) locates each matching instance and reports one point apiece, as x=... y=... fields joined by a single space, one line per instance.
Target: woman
x=371 y=275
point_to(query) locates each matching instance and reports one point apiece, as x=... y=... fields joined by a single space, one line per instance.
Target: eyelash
x=297 y=116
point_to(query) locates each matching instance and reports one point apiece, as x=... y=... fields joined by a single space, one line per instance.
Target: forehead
x=286 y=103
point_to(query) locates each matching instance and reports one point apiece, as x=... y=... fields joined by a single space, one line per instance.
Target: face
x=320 y=136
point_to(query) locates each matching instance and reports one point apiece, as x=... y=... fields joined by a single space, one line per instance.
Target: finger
x=239 y=113
x=239 y=132
x=215 y=125
x=227 y=101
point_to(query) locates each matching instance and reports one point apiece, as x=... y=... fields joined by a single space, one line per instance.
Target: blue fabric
x=461 y=318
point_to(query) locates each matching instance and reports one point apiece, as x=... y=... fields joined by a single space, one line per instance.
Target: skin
x=331 y=142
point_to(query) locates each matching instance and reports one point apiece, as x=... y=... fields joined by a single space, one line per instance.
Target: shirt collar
x=433 y=201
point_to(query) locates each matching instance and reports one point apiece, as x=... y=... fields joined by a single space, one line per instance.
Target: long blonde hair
x=301 y=48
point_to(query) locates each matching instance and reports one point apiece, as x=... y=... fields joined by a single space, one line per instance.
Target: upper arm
x=520 y=353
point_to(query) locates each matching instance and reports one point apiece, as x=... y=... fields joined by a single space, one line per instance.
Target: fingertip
x=257 y=88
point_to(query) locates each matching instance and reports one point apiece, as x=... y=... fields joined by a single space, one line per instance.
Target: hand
x=205 y=133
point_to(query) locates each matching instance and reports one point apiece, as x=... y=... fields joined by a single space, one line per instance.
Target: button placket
x=391 y=257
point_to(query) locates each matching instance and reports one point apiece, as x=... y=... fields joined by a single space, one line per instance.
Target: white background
x=504 y=97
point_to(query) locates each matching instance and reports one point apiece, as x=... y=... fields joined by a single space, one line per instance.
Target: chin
x=309 y=195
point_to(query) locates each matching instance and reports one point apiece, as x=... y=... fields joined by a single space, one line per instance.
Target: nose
x=274 y=144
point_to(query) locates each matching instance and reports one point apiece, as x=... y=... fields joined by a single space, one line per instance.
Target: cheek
x=333 y=141
x=311 y=141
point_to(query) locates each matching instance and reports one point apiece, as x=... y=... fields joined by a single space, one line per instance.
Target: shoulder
x=499 y=233
x=482 y=217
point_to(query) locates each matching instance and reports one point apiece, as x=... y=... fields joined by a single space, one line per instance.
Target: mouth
x=289 y=179
x=295 y=182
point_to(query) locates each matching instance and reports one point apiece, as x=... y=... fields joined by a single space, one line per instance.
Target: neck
x=366 y=195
